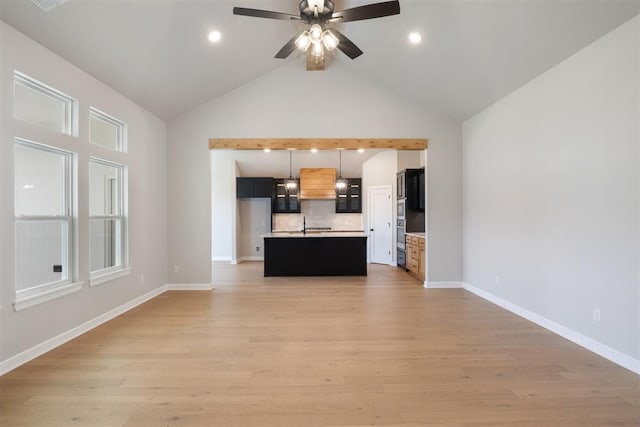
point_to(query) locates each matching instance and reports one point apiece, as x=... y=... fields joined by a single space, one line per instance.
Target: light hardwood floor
x=261 y=351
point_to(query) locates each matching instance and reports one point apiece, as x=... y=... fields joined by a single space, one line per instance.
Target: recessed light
x=415 y=37
x=215 y=36
x=267 y=150
x=360 y=150
x=314 y=150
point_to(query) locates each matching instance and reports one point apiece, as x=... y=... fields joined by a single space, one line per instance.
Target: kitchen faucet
x=304 y=225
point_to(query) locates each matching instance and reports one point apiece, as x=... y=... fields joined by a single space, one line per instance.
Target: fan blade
x=258 y=13
x=287 y=49
x=347 y=46
x=369 y=11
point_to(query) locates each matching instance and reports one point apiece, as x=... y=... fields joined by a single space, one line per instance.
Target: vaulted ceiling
x=473 y=52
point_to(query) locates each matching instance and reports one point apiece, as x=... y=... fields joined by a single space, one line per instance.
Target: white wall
x=221 y=204
x=255 y=220
x=409 y=160
x=351 y=107
x=551 y=194
x=146 y=159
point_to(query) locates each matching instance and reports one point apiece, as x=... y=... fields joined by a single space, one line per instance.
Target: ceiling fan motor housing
x=308 y=11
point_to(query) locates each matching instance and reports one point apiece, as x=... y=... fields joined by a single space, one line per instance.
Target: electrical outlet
x=257 y=248
x=497 y=280
x=142 y=278
x=176 y=269
x=596 y=314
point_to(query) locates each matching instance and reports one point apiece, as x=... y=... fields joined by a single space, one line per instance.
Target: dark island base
x=315 y=256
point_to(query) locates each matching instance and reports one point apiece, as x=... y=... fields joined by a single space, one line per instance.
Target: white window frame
x=108 y=274
x=47 y=291
x=120 y=125
x=70 y=126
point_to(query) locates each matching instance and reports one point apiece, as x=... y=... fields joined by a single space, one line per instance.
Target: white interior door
x=380 y=225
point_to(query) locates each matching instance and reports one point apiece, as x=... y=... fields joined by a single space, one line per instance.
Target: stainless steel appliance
x=401 y=259
x=401 y=208
x=400 y=242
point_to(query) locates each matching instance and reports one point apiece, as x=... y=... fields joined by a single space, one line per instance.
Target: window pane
x=41 y=108
x=40 y=249
x=40 y=180
x=105 y=188
x=105 y=132
x=105 y=243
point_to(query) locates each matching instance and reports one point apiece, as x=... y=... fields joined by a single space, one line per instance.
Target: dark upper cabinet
x=244 y=187
x=254 y=187
x=412 y=190
x=409 y=188
x=350 y=201
x=263 y=187
x=421 y=191
x=283 y=201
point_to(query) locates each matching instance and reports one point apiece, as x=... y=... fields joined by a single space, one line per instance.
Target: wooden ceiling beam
x=318 y=143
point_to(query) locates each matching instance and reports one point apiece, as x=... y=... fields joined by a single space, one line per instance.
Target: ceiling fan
x=319 y=15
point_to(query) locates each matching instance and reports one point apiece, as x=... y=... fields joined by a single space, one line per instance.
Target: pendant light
x=290 y=184
x=341 y=183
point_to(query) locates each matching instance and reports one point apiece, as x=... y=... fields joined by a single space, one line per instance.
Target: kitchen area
x=410 y=222
x=316 y=226
x=316 y=222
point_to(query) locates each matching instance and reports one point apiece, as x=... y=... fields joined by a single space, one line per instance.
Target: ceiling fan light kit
x=319 y=15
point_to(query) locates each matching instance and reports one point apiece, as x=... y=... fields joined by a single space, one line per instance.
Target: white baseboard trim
x=189 y=286
x=48 y=345
x=443 y=285
x=251 y=258
x=603 y=350
x=221 y=258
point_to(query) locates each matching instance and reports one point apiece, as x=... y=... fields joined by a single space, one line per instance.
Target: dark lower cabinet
x=351 y=200
x=315 y=256
x=254 y=187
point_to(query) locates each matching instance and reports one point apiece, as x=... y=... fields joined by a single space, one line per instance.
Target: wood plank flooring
x=379 y=350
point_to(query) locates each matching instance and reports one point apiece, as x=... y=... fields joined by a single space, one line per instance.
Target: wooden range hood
x=317 y=183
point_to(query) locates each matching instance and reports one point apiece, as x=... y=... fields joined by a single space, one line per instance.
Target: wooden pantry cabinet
x=415 y=261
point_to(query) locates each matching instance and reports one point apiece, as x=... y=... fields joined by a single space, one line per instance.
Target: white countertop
x=417 y=234
x=315 y=234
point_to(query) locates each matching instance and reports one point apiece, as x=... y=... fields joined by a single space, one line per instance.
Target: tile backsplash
x=318 y=213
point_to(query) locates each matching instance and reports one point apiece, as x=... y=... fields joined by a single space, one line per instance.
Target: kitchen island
x=315 y=254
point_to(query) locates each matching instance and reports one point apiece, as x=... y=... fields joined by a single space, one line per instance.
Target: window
x=106 y=131
x=108 y=224
x=41 y=105
x=44 y=224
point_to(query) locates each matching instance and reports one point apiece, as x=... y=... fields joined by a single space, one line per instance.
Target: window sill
x=52 y=293
x=100 y=278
